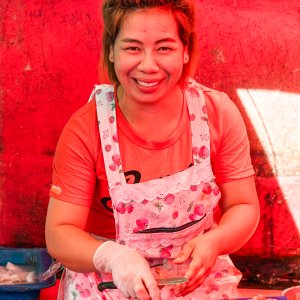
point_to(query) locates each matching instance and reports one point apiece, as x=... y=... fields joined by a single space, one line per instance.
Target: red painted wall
x=49 y=52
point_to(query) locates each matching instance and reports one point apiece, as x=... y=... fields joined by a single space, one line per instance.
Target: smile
x=147 y=84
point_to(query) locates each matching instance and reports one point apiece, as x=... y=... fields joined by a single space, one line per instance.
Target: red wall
x=49 y=54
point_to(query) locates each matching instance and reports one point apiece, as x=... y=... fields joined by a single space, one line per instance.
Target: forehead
x=151 y=22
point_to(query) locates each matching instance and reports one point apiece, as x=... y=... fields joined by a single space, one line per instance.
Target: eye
x=133 y=49
x=164 y=49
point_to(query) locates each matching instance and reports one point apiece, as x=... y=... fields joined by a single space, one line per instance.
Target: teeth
x=147 y=84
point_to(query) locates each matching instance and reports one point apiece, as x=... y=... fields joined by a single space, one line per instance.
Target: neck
x=155 y=121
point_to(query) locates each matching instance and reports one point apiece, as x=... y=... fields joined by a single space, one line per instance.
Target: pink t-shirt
x=78 y=170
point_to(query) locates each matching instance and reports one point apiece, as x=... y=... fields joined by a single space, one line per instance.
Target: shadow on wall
x=49 y=49
x=251 y=51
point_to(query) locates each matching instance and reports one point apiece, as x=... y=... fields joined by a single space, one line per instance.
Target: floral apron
x=159 y=216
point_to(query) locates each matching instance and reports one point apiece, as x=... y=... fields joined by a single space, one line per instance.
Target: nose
x=148 y=63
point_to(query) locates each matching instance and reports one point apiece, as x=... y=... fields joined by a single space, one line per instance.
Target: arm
x=74 y=248
x=74 y=172
x=239 y=205
x=65 y=236
x=240 y=208
x=232 y=167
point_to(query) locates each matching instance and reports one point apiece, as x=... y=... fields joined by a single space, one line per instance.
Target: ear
x=186 y=56
x=111 y=56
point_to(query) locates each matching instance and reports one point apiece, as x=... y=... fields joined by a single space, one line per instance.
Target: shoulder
x=219 y=105
x=83 y=120
x=81 y=132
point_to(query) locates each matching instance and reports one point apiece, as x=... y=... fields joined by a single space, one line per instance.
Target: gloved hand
x=130 y=271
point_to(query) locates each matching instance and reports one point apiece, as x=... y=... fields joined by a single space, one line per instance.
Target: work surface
x=51 y=293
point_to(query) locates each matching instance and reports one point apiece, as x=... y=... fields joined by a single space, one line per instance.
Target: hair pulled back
x=114 y=12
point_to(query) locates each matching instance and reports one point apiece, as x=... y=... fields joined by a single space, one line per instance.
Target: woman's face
x=148 y=55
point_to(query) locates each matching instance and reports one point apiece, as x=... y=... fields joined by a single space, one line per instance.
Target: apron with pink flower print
x=157 y=217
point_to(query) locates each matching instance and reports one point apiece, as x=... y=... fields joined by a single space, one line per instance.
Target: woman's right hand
x=130 y=271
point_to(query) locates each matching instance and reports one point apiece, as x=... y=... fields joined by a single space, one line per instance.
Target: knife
x=160 y=282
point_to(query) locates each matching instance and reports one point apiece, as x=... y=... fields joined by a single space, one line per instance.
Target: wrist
x=107 y=253
x=214 y=237
x=100 y=257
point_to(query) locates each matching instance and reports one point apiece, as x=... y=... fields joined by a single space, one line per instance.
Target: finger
x=139 y=291
x=198 y=277
x=152 y=288
x=192 y=271
x=194 y=268
x=189 y=287
x=194 y=282
x=185 y=253
x=124 y=291
x=155 y=294
x=177 y=290
x=186 y=291
x=142 y=295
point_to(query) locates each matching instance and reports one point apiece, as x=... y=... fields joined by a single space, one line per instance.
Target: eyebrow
x=129 y=40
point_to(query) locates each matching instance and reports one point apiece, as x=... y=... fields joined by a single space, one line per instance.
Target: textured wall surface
x=251 y=51
x=49 y=54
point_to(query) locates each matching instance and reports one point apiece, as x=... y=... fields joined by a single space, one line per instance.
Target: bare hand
x=203 y=254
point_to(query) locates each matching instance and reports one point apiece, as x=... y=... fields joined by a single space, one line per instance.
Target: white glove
x=130 y=271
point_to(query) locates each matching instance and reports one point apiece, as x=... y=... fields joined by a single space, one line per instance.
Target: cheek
x=174 y=68
x=123 y=65
x=120 y=69
x=173 y=63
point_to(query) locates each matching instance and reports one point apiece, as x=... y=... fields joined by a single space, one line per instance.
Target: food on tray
x=13 y=274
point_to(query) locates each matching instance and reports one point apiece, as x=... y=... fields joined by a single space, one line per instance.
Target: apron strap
x=199 y=123
x=106 y=113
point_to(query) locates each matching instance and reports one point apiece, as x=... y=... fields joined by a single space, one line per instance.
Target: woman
x=145 y=162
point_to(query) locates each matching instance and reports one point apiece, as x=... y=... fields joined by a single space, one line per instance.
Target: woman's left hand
x=203 y=254
x=239 y=198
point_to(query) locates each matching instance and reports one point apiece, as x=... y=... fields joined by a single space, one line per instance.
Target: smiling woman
x=183 y=15
x=148 y=57
x=187 y=148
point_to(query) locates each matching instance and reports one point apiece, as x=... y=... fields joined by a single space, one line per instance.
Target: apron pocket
x=167 y=242
x=170 y=229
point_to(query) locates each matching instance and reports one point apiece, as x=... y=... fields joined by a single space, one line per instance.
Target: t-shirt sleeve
x=74 y=173
x=231 y=159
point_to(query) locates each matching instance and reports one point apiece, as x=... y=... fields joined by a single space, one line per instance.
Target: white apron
x=159 y=216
